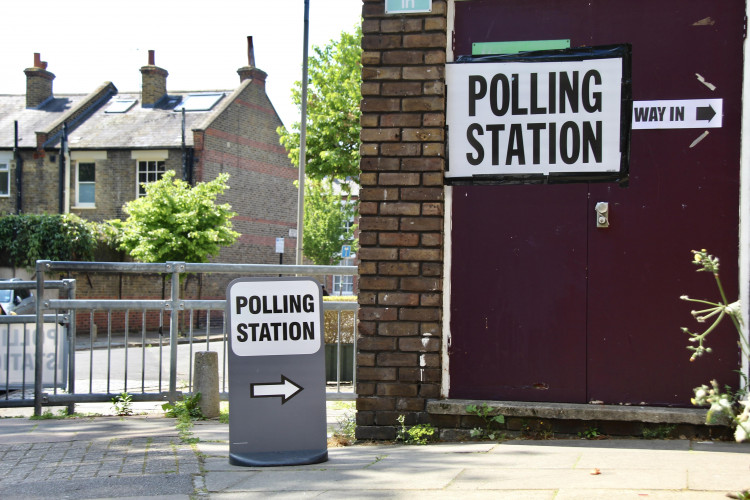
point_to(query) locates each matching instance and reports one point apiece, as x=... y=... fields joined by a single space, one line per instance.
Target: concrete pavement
x=143 y=456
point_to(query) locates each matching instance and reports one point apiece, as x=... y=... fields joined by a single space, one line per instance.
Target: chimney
x=250 y=72
x=38 y=83
x=154 y=83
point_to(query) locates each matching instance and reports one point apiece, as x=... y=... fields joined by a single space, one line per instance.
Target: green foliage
x=123 y=404
x=658 y=432
x=26 y=238
x=418 y=434
x=326 y=215
x=590 y=433
x=176 y=222
x=189 y=408
x=62 y=413
x=491 y=422
x=185 y=412
x=725 y=407
x=333 y=100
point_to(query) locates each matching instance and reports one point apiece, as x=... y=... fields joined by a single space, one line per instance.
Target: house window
x=4 y=178
x=344 y=284
x=85 y=184
x=148 y=172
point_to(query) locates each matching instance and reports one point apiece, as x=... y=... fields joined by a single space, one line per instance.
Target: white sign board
x=18 y=350
x=685 y=113
x=534 y=117
x=275 y=318
x=279 y=245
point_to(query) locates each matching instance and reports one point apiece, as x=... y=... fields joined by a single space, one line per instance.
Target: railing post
x=176 y=268
x=70 y=286
x=39 y=338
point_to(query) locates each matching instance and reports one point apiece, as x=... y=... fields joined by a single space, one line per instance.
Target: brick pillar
x=38 y=83
x=401 y=223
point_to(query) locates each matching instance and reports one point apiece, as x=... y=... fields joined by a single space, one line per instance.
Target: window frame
x=141 y=185
x=79 y=203
x=5 y=164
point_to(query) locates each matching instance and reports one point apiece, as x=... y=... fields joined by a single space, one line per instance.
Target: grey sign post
x=277 y=410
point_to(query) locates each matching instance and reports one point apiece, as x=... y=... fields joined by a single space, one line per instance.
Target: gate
x=545 y=305
x=148 y=346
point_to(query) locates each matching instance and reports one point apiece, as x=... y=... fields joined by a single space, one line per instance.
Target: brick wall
x=243 y=142
x=403 y=119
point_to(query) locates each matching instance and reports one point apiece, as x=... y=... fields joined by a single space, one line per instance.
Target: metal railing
x=104 y=368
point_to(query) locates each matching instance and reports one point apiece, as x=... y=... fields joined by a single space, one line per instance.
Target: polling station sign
x=277 y=412
x=555 y=115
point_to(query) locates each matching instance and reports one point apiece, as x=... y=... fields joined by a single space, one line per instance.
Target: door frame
x=744 y=207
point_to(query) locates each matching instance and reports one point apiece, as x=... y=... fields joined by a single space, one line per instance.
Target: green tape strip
x=492 y=48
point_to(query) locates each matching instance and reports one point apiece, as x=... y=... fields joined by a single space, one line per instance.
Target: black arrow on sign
x=704 y=113
x=285 y=390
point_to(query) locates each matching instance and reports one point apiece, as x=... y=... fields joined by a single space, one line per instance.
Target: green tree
x=176 y=222
x=26 y=238
x=334 y=79
x=327 y=217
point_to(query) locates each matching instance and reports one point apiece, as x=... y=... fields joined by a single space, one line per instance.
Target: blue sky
x=201 y=44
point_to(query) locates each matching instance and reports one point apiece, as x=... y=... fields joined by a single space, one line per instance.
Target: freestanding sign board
x=277 y=412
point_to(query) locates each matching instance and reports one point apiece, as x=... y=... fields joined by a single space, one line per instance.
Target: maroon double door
x=544 y=305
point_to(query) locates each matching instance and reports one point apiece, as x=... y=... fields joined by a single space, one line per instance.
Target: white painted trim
x=88 y=156
x=447 y=255
x=149 y=154
x=744 y=251
x=445 y=379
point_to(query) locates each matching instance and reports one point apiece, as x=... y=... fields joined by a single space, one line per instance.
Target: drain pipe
x=19 y=170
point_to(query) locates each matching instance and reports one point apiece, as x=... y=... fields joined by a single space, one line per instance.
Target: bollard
x=206 y=369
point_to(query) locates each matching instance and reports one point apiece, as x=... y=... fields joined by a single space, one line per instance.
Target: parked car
x=16 y=301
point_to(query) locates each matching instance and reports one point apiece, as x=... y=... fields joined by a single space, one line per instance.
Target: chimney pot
x=152 y=58
x=38 y=83
x=250 y=52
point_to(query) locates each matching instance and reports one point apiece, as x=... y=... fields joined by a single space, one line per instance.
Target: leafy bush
x=26 y=238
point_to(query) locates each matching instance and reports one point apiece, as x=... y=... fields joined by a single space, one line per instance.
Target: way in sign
x=686 y=113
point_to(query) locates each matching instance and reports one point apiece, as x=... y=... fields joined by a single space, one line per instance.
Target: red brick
x=380 y=134
x=428 y=41
x=410 y=404
x=367 y=267
x=371 y=223
x=386 y=374
x=401 y=89
x=431 y=209
x=369 y=150
x=432 y=179
x=379 y=164
x=397 y=389
x=429 y=360
x=419 y=375
x=429 y=239
x=429 y=390
x=375 y=104
x=422 y=134
x=402 y=57
x=399 y=268
x=431 y=299
x=366 y=359
x=422 y=72
x=420 y=254
x=397 y=358
x=423 y=164
x=382 y=42
x=377 y=283
x=379 y=313
x=381 y=73
x=419 y=284
x=400 y=149
x=398 y=299
x=377 y=254
x=370 y=88
x=421 y=224
x=397 y=208
x=433 y=149
x=430 y=329
x=435 y=23
x=365 y=404
x=433 y=120
x=399 y=179
x=419 y=314
x=434 y=57
x=368 y=240
x=398 y=329
x=368 y=120
x=399 y=239
x=422 y=193
x=376 y=344
x=400 y=120
x=419 y=344
x=420 y=104
x=370 y=26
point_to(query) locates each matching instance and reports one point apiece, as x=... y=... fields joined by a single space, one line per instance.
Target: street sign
x=277 y=412
x=279 y=245
x=685 y=113
x=346 y=251
x=407 y=6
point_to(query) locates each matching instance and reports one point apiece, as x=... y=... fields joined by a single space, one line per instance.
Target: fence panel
x=143 y=347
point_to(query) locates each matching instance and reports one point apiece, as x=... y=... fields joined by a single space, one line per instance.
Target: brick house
x=119 y=140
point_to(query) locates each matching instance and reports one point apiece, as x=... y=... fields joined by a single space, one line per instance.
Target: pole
x=302 y=140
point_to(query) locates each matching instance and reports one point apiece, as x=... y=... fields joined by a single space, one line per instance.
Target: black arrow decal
x=285 y=390
x=704 y=113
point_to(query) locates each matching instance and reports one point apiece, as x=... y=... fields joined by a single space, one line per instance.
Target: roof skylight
x=199 y=102
x=120 y=106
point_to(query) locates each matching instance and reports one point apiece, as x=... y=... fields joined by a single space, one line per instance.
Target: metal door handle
x=602 y=214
